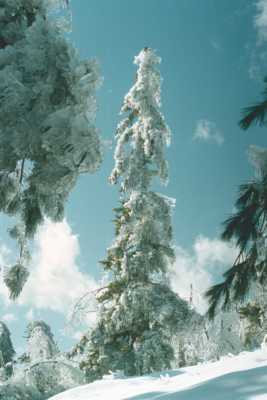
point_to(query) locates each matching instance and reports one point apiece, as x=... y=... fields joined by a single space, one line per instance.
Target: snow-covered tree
x=53 y=376
x=43 y=370
x=47 y=128
x=204 y=339
x=139 y=312
x=41 y=344
x=7 y=352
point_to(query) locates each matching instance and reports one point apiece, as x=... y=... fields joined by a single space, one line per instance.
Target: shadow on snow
x=241 y=385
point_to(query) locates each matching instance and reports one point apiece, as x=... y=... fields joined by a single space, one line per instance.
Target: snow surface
x=242 y=377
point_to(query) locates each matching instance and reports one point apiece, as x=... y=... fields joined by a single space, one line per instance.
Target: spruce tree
x=138 y=310
x=47 y=131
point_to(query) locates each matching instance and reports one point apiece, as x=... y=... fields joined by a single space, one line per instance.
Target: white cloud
x=72 y=334
x=55 y=281
x=260 y=20
x=30 y=315
x=201 y=267
x=9 y=317
x=78 y=335
x=207 y=131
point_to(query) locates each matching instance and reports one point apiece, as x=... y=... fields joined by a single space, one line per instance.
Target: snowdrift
x=242 y=377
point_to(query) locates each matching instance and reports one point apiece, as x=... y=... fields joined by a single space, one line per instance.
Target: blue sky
x=213 y=57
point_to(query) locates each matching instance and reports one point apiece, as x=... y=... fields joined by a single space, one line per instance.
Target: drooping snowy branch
x=48 y=106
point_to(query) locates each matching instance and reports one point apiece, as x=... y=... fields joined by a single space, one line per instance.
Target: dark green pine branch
x=236 y=283
x=254 y=114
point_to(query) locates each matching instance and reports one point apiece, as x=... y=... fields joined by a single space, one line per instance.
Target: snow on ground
x=242 y=377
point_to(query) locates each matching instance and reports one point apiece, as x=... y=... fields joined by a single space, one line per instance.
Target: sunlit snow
x=242 y=377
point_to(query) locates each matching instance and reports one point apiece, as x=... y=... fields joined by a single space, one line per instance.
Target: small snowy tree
x=47 y=131
x=139 y=312
x=7 y=352
x=41 y=344
x=43 y=370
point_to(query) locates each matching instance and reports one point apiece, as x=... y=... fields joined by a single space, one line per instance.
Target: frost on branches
x=41 y=344
x=43 y=370
x=47 y=131
x=7 y=353
x=139 y=313
x=144 y=129
x=205 y=340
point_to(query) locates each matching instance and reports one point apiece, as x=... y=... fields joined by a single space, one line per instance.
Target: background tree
x=7 y=352
x=47 y=131
x=251 y=316
x=139 y=312
x=41 y=344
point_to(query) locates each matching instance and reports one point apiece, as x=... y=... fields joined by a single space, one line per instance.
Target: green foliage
x=246 y=228
x=256 y=113
x=243 y=225
x=15 y=278
x=235 y=286
x=31 y=213
x=112 y=290
x=253 y=312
